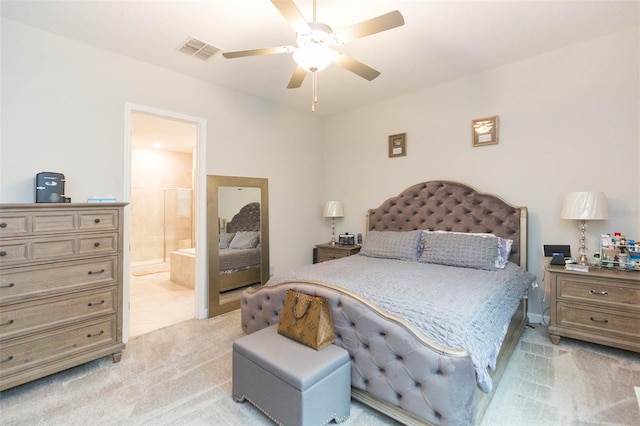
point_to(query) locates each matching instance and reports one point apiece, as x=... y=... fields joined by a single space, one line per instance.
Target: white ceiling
x=440 y=41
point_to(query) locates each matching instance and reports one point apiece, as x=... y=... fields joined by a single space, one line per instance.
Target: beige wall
x=161 y=203
x=569 y=121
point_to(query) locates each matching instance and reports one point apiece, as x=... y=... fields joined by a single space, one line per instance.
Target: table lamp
x=333 y=209
x=584 y=206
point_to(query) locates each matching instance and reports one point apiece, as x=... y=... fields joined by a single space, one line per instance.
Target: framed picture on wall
x=398 y=145
x=484 y=131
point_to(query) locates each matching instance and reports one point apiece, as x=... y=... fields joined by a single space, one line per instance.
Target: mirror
x=237 y=238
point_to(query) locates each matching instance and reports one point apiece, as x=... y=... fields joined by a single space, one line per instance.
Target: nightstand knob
x=599 y=293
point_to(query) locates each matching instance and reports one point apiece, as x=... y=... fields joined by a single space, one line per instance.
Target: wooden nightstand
x=330 y=252
x=600 y=306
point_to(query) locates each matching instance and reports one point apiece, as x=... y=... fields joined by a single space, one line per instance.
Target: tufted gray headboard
x=247 y=219
x=450 y=206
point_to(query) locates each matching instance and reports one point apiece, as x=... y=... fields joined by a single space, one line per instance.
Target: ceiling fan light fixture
x=314 y=57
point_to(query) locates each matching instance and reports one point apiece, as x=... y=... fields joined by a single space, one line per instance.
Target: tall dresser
x=60 y=287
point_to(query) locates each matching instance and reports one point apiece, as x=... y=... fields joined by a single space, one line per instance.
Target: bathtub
x=183 y=267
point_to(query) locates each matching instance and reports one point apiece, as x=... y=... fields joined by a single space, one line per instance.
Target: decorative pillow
x=504 y=251
x=478 y=251
x=245 y=240
x=392 y=245
x=504 y=246
x=225 y=239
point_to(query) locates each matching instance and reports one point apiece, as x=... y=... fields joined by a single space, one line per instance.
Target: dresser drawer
x=99 y=220
x=30 y=352
x=54 y=222
x=47 y=280
x=598 y=291
x=19 y=251
x=98 y=244
x=14 y=252
x=598 y=320
x=12 y=225
x=30 y=317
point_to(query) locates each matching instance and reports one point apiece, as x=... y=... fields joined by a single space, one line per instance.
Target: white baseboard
x=537 y=318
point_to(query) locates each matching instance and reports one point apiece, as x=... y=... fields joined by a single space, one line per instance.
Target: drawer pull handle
x=101 y=271
x=96 y=244
x=8 y=322
x=603 y=321
x=96 y=221
x=599 y=293
x=3 y=225
x=96 y=304
x=3 y=253
x=94 y=335
x=8 y=285
x=7 y=359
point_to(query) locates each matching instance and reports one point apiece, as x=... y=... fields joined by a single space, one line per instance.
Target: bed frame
x=247 y=219
x=395 y=369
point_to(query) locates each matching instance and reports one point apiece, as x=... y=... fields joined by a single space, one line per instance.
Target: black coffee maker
x=50 y=188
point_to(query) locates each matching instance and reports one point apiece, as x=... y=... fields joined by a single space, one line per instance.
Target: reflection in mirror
x=238 y=238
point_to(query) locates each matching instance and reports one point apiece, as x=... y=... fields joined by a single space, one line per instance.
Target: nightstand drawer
x=598 y=320
x=327 y=252
x=596 y=291
x=324 y=255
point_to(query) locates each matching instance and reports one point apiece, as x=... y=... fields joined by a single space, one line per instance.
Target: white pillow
x=245 y=240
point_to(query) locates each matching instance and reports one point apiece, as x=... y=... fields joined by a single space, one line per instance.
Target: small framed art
x=398 y=145
x=484 y=131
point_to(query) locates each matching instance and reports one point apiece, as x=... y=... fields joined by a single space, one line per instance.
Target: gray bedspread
x=233 y=260
x=460 y=308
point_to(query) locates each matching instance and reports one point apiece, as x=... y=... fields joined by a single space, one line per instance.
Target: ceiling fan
x=316 y=40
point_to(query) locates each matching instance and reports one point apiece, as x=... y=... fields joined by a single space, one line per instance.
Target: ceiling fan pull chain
x=315 y=91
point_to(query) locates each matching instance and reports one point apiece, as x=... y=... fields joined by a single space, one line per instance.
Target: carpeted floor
x=181 y=375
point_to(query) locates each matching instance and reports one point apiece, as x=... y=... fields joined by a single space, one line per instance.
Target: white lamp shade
x=585 y=206
x=333 y=209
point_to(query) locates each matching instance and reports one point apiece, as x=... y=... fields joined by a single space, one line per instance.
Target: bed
x=399 y=364
x=240 y=249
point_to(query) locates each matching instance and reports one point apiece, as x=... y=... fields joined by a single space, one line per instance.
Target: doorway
x=163 y=155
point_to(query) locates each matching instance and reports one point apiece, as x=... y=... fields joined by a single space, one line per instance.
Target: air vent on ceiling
x=198 y=49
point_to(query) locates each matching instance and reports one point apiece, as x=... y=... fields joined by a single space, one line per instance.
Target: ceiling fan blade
x=297 y=78
x=372 y=26
x=255 y=52
x=292 y=14
x=356 y=67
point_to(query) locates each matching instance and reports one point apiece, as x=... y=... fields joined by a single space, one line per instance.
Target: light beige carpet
x=181 y=375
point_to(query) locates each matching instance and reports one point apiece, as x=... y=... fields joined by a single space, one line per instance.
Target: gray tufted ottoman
x=289 y=382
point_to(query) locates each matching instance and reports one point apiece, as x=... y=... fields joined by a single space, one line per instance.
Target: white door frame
x=200 y=191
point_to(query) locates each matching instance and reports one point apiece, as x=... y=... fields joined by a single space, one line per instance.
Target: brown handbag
x=307 y=319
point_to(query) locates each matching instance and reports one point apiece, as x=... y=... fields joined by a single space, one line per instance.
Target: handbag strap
x=295 y=302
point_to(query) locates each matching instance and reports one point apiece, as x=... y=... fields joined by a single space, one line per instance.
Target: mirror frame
x=214 y=182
